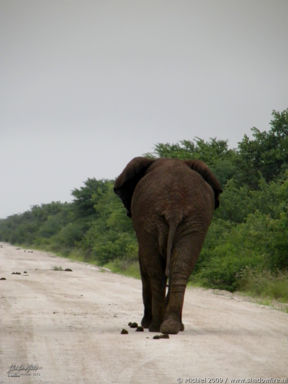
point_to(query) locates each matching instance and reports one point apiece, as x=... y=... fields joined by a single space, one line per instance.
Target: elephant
x=171 y=204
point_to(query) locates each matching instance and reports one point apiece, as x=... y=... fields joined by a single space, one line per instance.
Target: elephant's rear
x=171 y=204
x=172 y=192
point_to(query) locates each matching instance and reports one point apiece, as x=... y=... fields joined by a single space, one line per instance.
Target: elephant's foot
x=171 y=326
x=146 y=321
x=154 y=327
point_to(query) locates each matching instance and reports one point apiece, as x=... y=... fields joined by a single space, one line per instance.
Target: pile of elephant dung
x=133 y=325
x=139 y=328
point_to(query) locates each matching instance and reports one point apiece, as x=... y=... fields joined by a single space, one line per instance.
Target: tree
x=85 y=197
x=266 y=154
x=215 y=153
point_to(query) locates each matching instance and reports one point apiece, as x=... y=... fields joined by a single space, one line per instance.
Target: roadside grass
x=266 y=286
x=124 y=267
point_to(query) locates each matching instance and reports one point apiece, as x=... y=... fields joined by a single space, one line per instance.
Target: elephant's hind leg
x=185 y=254
x=173 y=315
x=147 y=297
x=154 y=286
x=158 y=302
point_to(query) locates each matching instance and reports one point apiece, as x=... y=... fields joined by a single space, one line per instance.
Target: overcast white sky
x=88 y=84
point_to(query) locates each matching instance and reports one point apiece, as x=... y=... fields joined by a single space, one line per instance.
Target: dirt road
x=64 y=327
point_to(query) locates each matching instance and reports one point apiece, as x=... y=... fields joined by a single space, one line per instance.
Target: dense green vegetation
x=247 y=244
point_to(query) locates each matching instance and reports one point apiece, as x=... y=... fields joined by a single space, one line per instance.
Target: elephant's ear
x=126 y=182
x=208 y=176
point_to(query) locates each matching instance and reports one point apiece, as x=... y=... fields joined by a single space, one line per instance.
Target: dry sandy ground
x=64 y=327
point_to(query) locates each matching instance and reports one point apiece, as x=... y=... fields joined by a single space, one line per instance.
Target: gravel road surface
x=60 y=326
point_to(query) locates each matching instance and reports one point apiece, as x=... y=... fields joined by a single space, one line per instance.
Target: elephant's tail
x=171 y=235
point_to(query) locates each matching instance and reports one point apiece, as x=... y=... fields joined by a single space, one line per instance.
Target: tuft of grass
x=124 y=267
x=57 y=268
x=265 y=285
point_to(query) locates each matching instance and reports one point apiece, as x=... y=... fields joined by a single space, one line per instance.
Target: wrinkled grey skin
x=171 y=203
